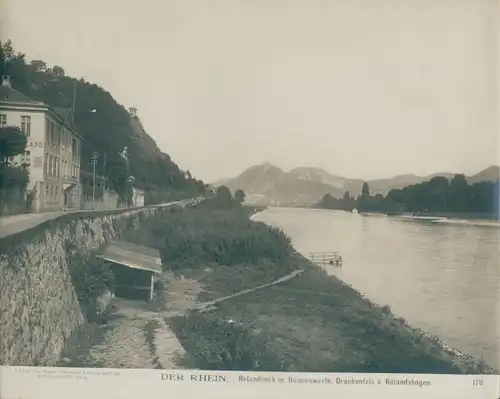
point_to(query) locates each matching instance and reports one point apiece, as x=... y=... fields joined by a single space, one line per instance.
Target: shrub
x=197 y=237
x=90 y=279
x=215 y=344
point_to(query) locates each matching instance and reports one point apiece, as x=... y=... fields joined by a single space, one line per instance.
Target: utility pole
x=124 y=155
x=104 y=172
x=93 y=160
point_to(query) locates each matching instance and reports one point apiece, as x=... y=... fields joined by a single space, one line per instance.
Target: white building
x=52 y=152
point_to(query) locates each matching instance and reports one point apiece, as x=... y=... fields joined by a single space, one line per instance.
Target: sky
x=362 y=88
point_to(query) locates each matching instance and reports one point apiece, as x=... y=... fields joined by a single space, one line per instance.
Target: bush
x=197 y=237
x=215 y=344
x=90 y=279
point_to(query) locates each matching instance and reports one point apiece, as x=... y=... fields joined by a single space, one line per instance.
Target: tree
x=224 y=194
x=58 y=71
x=239 y=196
x=365 y=190
x=364 y=198
x=459 y=195
x=12 y=142
x=39 y=65
x=438 y=195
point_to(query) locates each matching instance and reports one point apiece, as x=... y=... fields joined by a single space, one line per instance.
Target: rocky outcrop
x=39 y=306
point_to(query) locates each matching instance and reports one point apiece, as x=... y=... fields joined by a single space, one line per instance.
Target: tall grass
x=197 y=237
x=219 y=345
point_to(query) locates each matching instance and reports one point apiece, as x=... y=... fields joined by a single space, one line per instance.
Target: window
x=47 y=130
x=25 y=159
x=52 y=135
x=46 y=167
x=58 y=135
x=47 y=198
x=26 y=125
x=54 y=164
x=3 y=120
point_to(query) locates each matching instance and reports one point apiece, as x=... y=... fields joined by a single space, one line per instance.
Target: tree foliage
x=13 y=177
x=346 y=203
x=12 y=142
x=438 y=195
x=239 y=196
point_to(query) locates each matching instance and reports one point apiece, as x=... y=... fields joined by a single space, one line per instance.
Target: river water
x=443 y=278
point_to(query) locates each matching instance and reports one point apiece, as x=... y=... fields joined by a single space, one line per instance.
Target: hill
x=489 y=174
x=267 y=184
x=106 y=126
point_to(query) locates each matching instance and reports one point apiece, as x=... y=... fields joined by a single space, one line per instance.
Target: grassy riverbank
x=312 y=322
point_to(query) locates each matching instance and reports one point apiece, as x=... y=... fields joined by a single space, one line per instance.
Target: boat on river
x=419 y=218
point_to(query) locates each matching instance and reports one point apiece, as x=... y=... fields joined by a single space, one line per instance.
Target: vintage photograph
x=286 y=186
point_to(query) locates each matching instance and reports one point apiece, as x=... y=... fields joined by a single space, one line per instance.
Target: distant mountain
x=489 y=174
x=267 y=184
x=383 y=186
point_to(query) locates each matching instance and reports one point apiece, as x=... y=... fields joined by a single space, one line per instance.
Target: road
x=16 y=223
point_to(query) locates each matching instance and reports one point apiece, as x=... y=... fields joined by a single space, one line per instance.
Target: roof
x=133 y=255
x=65 y=114
x=10 y=95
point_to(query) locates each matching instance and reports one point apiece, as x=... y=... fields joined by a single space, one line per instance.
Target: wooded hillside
x=106 y=130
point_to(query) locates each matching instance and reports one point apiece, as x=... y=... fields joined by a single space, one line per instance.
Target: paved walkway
x=16 y=223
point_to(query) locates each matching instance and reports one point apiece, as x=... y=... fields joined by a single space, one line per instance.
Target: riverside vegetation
x=313 y=322
x=439 y=195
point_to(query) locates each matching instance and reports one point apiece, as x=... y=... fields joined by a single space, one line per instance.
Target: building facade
x=53 y=149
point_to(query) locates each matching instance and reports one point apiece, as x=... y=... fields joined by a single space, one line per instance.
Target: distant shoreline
x=486 y=217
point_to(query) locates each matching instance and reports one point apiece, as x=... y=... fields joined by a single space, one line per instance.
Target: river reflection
x=443 y=278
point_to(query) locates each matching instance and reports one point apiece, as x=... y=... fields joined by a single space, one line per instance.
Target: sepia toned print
x=278 y=198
